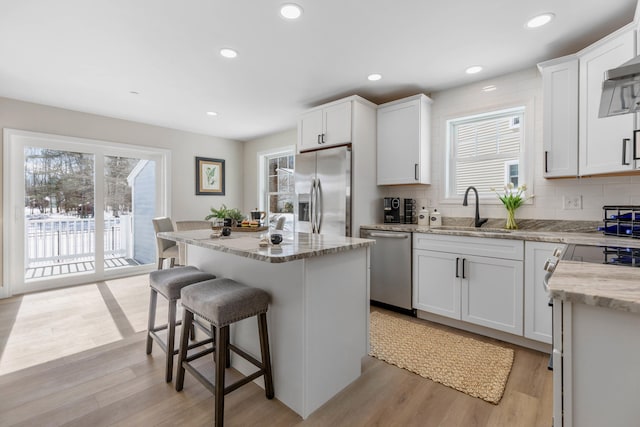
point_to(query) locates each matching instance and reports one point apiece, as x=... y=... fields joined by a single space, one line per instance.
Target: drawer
x=481 y=246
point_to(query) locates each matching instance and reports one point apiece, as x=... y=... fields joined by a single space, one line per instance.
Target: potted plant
x=234 y=216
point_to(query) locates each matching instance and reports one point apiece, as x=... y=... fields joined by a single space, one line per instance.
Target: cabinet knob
x=549 y=266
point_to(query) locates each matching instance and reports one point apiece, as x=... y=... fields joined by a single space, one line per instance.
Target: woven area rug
x=473 y=367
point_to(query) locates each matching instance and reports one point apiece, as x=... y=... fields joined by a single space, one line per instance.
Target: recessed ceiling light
x=540 y=20
x=474 y=69
x=374 y=77
x=228 y=53
x=290 y=11
x=211 y=113
x=489 y=88
x=133 y=92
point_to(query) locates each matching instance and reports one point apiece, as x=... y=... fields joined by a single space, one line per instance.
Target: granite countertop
x=300 y=246
x=566 y=232
x=600 y=285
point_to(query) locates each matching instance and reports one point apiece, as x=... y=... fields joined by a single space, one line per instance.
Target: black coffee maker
x=391 y=213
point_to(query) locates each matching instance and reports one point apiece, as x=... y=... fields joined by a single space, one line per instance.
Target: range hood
x=621 y=90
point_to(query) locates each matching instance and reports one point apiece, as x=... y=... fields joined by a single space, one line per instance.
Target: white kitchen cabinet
x=404 y=147
x=537 y=312
x=560 y=116
x=492 y=292
x=605 y=144
x=477 y=280
x=436 y=283
x=325 y=126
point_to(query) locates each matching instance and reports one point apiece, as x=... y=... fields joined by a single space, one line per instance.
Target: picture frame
x=210 y=177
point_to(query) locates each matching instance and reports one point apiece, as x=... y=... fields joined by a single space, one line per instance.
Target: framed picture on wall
x=209 y=176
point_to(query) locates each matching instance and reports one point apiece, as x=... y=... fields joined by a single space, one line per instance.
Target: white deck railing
x=63 y=239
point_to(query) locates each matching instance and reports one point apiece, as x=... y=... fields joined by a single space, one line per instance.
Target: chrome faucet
x=478 y=222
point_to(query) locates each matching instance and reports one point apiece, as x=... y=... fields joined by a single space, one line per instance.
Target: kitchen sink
x=478 y=229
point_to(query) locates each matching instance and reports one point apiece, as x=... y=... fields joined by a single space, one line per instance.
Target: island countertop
x=300 y=246
x=599 y=285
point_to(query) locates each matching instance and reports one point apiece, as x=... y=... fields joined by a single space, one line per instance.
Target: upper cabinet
x=604 y=143
x=576 y=141
x=404 y=148
x=560 y=117
x=325 y=126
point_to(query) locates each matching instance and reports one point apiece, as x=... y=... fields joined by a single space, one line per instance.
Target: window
x=86 y=208
x=485 y=151
x=278 y=186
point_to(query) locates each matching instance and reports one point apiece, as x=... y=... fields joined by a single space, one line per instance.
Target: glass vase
x=511 y=220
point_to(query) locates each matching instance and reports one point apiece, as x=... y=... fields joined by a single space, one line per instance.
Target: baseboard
x=487 y=332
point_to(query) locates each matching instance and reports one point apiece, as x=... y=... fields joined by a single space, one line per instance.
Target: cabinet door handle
x=323 y=140
x=463 y=260
x=546 y=161
x=635 y=145
x=319 y=139
x=624 y=151
x=416 y=172
x=457 y=261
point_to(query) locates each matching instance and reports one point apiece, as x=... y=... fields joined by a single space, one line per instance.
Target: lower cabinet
x=477 y=280
x=537 y=312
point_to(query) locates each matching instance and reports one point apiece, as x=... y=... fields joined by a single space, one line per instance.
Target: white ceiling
x=88 y=55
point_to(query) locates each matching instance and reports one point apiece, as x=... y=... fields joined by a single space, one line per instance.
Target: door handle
x=457 y=262
x=463 y=260
x=312 y=202
x=416 y=172
x=624 y=151
x=390 y=235
x=322 y=139
x=635 y=145
x=318 y=205
x=546 y=161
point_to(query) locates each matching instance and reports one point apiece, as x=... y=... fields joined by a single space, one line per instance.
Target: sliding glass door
x=79 y=210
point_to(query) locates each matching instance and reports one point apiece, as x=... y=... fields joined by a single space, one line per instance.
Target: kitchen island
x=596 y=343
x=319 y=313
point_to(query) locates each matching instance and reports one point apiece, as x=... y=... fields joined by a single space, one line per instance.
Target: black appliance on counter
x=391 y=213
x=410 y=211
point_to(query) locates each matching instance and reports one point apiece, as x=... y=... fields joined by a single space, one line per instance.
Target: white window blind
x=485 y=151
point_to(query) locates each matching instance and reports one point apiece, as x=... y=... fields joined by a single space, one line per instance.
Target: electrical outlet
x=572 y=202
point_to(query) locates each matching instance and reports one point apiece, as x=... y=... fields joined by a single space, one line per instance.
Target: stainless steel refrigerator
x=323 y=191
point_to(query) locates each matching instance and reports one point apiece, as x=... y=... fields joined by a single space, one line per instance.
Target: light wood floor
x=76 y=357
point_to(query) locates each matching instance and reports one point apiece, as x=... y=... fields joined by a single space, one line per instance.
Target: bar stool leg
x=266 y=355
x=187 y=320
x=171 y=338
x=153 y=299
x=222 y=338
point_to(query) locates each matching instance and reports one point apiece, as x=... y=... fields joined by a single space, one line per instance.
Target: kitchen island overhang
x=319 y=312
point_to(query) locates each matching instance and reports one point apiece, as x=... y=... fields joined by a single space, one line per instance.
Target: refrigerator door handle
x=318 y=205
x=312 y=205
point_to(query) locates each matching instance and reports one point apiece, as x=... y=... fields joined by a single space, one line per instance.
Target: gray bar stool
x=223 y=302
x=169 y=283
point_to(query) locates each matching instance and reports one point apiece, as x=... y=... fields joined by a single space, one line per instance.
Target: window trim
x=262 y=202
x=527 y=148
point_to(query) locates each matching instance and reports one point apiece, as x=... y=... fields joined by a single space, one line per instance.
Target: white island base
x=318 y=320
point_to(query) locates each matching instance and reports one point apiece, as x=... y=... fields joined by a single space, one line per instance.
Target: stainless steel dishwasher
x=391 y=259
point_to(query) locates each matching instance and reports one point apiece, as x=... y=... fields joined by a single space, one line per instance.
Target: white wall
x=252 y=150
x=184 y=148
x=514 y=89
